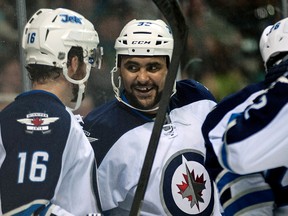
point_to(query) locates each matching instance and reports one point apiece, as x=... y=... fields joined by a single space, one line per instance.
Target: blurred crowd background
x=221 y=52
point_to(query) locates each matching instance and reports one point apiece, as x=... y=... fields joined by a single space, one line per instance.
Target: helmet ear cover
x=53 y=72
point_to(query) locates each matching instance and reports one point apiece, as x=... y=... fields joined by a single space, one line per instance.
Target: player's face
x=143 y=79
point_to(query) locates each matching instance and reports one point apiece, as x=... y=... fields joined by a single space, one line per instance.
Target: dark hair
x=40 y=72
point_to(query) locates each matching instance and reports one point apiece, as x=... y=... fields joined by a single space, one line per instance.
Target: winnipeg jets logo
x=192 y=188
x=37 y=122
x=186 y=188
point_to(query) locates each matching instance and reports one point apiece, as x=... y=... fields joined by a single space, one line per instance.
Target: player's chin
x=146 y=103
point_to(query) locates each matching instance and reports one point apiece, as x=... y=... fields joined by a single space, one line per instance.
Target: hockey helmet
x=142 y=38
x=49 y=35
x=145 y=38
x=274 y=42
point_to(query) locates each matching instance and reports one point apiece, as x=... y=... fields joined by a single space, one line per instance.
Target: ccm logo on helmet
x=141 y=42
x=73 y=19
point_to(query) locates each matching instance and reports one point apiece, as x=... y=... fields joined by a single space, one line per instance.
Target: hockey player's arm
x=256 y=139
x=238 y=193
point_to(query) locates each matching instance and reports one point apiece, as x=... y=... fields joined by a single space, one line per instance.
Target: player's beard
x=133 y=101
x=75 y=89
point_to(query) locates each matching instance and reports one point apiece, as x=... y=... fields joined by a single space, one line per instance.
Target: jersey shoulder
x=230 y=102
x=106 y=124
x=190 y=91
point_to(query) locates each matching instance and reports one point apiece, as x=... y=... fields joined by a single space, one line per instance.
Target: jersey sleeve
x=238 y=193
x=78 y=163
x=256 y=139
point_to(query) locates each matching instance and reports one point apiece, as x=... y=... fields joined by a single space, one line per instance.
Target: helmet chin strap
x=81 y=90
x=116 y=90
x=80 y=83
x=141 y=110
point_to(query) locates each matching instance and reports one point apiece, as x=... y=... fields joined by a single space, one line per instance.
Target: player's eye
x=132 y=67
x=154 y=67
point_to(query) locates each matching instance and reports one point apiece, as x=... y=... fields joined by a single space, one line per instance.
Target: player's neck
x=59 y=87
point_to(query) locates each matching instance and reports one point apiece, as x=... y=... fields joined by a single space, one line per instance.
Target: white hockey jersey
x=179 y=184
x=46 y=161
x=261 y=142
x=255 y=193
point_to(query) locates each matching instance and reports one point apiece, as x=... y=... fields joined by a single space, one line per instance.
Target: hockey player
x=119 y=131
x=258 y=193
x=46 y=160
x=260 y=124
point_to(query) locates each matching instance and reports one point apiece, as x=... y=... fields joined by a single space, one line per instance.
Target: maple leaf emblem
x=37 y=121
x=192 y=188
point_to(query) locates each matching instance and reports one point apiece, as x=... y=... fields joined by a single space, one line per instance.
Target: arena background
x=222 y=48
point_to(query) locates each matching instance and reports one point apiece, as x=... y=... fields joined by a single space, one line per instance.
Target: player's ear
x=77 y=69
